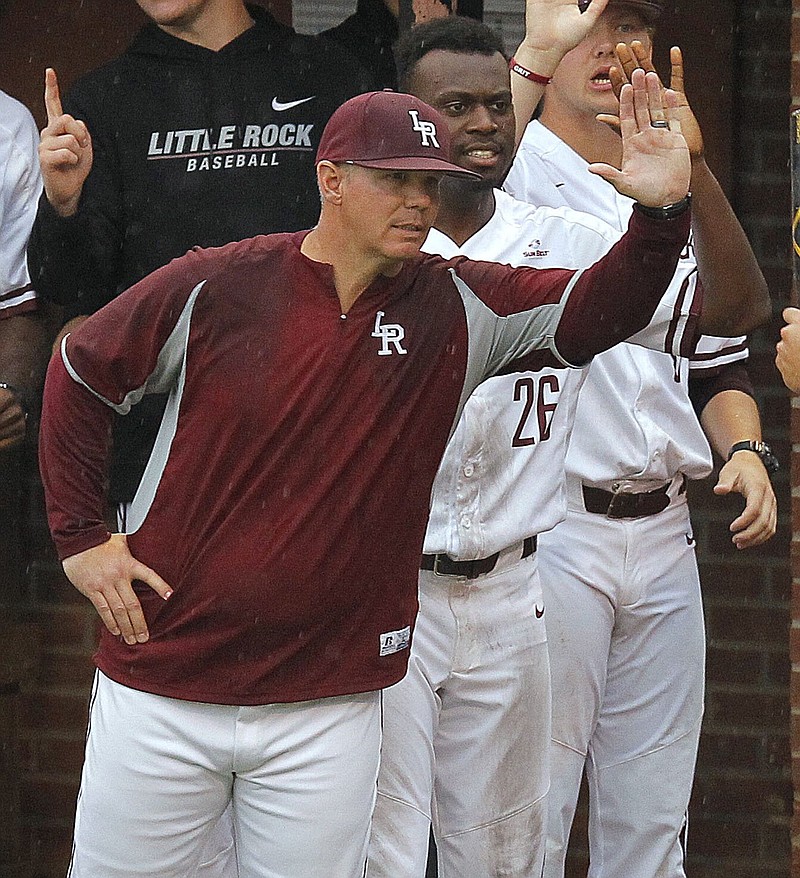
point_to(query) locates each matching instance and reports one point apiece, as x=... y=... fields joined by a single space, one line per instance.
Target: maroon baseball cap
x=389 y=130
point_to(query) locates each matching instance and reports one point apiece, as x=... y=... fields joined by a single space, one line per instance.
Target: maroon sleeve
x=704 y=385
x=618 y=295
x=608 y=302
x=116 y=349
x=102 y=365
x=74 y=440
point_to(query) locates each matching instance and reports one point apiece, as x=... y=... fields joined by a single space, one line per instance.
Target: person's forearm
x=73 y=452
x=736 y=294
x=60 y=259
x=525 y=91
x=729 y=417
x=619 y=294
x=25 y=341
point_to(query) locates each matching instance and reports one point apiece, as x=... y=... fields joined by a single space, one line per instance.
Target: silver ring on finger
x=659 y=123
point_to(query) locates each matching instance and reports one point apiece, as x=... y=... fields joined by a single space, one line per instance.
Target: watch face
x=771 y=463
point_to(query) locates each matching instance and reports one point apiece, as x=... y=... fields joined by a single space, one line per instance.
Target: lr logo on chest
x=391 y=336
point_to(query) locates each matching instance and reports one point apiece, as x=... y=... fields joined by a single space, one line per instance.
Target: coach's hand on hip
x=104 y=574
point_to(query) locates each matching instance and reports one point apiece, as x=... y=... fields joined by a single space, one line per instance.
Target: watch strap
x=761 y=449
x=668 y=212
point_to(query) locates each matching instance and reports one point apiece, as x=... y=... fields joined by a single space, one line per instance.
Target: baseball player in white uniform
x=466 y=733
x=20 y=186
x=624 y=612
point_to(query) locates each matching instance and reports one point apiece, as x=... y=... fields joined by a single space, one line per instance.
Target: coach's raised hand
x=656 y=167
x=65 y=152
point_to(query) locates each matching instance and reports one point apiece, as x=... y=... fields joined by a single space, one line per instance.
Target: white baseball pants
x=627 y=651
x=159 y=772
x=466 y=732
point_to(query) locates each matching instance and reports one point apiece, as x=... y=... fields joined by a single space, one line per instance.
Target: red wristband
x=516 y=67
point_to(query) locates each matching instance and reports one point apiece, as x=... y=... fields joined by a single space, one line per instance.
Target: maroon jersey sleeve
x=598 y=306
x=74 y=441
x=106 y=365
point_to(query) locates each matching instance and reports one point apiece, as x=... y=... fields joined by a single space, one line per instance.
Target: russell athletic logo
x=391 y=336
x=426 y=130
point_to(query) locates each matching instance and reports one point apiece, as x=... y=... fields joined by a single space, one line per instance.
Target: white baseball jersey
x=502 y=475
x=624 y=610
x=656 y=433
x=20 y=187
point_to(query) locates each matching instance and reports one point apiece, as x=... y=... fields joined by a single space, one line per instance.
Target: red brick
x=748 y=624
x=794 y=640
x=60 y=756
x=735 y=838
x=72 y=627
x=722 y=749
x=748 y=708
x=50 y=848
x=759 y=196
x=66 y=668
x=49 y=799
x=53 y=712
x=741 y=666
x=742 y=796
x=728 y=581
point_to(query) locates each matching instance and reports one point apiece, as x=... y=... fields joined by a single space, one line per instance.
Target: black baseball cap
x=389 y=130
x=650 y=9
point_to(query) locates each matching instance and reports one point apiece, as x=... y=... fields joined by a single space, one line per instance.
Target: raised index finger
x=52 y=96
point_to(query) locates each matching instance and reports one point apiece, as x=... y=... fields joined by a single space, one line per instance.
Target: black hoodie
x=192 y=147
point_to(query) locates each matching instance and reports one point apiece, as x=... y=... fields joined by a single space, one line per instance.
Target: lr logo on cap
x=427 y=130
x=390 y=334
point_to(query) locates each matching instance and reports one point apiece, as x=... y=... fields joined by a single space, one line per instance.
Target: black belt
x=444 y=565
x=625 y=505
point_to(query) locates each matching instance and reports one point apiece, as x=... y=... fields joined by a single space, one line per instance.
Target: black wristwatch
x=668 y=212
x=771 y=463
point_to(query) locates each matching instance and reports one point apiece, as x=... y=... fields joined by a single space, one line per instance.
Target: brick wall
x=741 y=806
x=795 y=553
